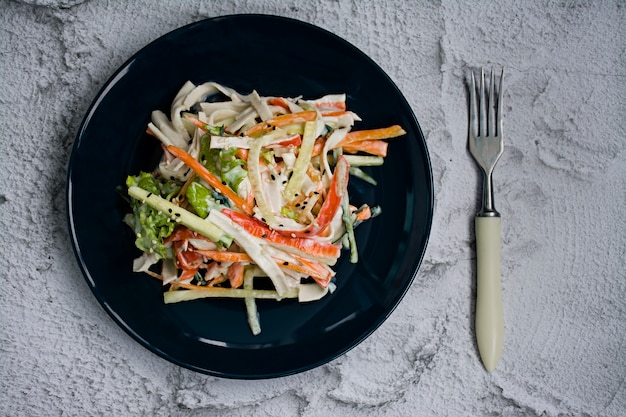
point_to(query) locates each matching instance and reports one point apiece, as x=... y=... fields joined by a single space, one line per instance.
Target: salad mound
x=250 y=198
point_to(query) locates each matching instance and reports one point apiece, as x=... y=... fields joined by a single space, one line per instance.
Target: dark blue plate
x=275 y=56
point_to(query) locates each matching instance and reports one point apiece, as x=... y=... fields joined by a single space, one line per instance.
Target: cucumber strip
x=349 y=223
x=171 y=297
x=182 y=216
x=364 y=160
x=302 y=162
x=251 y=310
x=359 y=173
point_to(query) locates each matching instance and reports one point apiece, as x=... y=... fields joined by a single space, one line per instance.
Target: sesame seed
x=293 y=235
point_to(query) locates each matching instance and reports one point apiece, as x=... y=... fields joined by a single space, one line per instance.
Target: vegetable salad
x=250 y=199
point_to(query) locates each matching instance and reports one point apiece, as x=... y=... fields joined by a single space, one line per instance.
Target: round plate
x=275 y=56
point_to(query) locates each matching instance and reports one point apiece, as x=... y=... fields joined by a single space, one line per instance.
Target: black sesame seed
x=149 y=195
x=264 y=235
x=285 y=263
x=169 y=210
x=273 y=177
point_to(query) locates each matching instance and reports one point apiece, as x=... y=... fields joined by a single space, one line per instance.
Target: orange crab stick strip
x=283 y=120
x=314 y=269
x=259 y=229
x=224 y=256
x=206 y=175
x=235 y=274
x=336 y=192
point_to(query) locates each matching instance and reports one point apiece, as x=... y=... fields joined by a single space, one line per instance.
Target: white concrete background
x=561 y=186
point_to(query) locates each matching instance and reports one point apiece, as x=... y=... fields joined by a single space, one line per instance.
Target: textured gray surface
x=561 y=187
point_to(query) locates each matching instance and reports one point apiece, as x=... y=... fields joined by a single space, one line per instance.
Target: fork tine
x=499 y=111
x=482 y=117
x=473 y=127
x=491 y=107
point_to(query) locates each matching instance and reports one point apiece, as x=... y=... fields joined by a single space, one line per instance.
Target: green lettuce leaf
x=151 y=226
x=223 y=163
x=202 y=199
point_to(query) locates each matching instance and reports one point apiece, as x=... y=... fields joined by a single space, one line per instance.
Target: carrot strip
x=283 y=120
x=364 y=214
x=372 y=134
x=242 y=154
x=206 y=175
x=197 y=123
x=373 y=147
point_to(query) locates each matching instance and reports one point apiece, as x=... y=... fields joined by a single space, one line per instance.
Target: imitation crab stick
x=206 y=175
x=314 y=269
x=235 y=274
x=259 y=229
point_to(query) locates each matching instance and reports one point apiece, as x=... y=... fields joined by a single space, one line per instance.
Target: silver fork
x=486 y=146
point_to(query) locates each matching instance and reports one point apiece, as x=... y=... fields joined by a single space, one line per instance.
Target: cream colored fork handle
x=489 y=313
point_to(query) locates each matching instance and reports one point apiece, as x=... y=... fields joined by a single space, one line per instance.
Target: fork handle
x=489 y=312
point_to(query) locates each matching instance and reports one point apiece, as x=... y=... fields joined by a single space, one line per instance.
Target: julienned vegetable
x=250 y=199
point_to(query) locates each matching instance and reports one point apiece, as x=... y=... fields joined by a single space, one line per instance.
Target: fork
x=486 y=146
